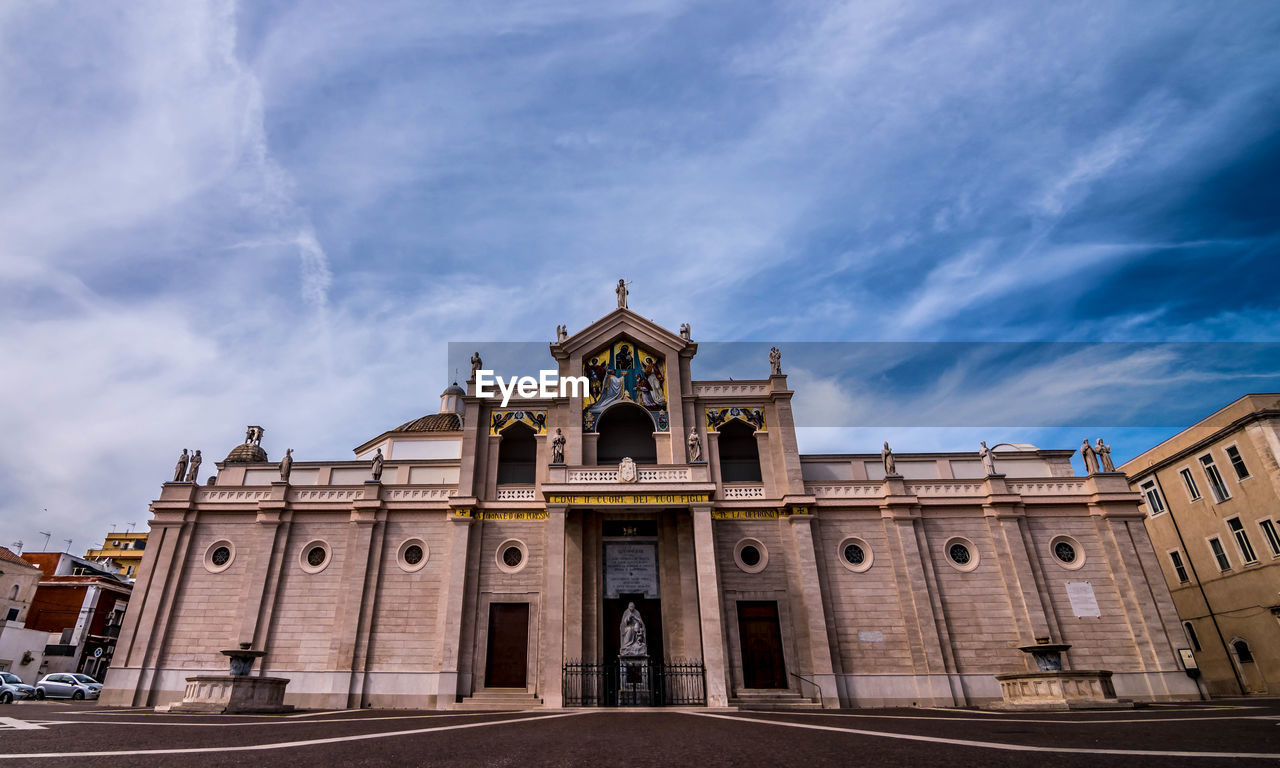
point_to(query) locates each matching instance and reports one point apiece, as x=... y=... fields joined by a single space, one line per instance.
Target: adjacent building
x=81 y=604
x=124 y=549
x=21 y=649
x=1212 y=498
x=487 y=554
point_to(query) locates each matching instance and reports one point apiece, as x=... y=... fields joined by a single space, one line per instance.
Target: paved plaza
x=1243 y=732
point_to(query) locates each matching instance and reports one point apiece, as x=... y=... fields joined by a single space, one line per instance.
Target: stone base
x=1059 y=690
x=227 y=694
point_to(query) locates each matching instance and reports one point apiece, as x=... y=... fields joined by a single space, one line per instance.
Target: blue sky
x=280 y=213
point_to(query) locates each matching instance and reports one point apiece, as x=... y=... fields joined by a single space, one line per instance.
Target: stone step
x=499 y=699
x=773 y=700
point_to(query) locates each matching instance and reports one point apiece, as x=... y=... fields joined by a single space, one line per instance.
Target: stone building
x=1212 y=496
x=124 y=549
x=479 y=570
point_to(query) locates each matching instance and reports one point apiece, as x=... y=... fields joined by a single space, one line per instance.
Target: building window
x=315 y=556
x=1193 y=490
x=1242 y=540
x=1152 y=494
x=1269 y=533
x=1241 y=650
x=1178 y=567
x=750 y=555
x=219 y=556
x=1237 y=462
x=854 y=554
x=739 y=453
x=961 y=554
x=1067 y=552
x=412 y=555
x=512 y=556
x=1192 y=637
x=1219 y=554
x=517 y=456
x=13 y=593
x=12 y=615
x=1216 y=484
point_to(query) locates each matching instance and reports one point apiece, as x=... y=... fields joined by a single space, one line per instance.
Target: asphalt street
x=1238 y=733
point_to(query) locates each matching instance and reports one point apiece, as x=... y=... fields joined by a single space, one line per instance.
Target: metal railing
x=817 y=689
x=628 y=683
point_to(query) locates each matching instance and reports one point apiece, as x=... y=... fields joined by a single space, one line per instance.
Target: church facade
x=488 y=554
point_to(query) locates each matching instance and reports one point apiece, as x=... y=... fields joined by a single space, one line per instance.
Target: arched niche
x=517 y=455
x=739 y=453
x=625 y=430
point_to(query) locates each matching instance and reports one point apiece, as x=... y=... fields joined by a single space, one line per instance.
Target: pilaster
x=811 y=608
x=552 y=611
x=449 y=611
x=710 y=617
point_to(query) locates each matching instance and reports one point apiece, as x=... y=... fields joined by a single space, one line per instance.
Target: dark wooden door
x=508 y=645
x=762 y=663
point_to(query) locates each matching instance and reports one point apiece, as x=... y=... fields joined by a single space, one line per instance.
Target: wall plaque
x=870 y=636
x=1084 y=603
x=631 y=568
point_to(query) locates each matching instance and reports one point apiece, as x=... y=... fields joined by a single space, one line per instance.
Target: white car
x=12 y=688
x=68 y=685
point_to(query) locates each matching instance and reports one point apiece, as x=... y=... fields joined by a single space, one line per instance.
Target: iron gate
x=628 y=684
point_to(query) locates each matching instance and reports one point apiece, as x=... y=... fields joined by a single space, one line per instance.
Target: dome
x=434 y=422
x=246 y=453
x=453 y=389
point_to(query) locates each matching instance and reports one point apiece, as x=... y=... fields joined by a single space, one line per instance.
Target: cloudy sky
x=214 y=214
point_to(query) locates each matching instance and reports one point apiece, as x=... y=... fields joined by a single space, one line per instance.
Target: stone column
x=553 y=624
x=712 y=623
x=449 y=611
x=810 y=600
x=256 y=592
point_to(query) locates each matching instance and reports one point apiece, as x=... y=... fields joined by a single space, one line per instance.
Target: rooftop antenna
x=129 y=529
x=46 y=534
x=68 y=549
x=18 y=545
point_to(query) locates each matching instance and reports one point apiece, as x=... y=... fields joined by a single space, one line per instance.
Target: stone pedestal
x=232 y=694
x=1058 y=690
x=634 y=675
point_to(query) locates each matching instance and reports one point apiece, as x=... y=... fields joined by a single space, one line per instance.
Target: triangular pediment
x=618 y=324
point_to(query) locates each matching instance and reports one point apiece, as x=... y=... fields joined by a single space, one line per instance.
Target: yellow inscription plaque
x=600 y=499
x=744 y=514
x=533 y=515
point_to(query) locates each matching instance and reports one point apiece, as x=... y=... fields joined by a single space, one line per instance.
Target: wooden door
x=758 y=631
x=508 y=655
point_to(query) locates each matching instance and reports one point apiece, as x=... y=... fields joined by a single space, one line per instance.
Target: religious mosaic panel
x=500 y=420
x=718 y=417
x=621 y=373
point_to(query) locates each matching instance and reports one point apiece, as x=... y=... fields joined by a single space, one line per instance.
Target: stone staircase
x=499 y=698
x=772 y=700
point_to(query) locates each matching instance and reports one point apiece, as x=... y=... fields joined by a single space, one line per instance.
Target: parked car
x=12 y=688
x=68 y=685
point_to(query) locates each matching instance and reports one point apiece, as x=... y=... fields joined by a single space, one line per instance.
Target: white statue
x=621 y=290
x=890 y=464
x=286 y=465
x=695 y=446
x=631 y=634
x=1090 y=458
x=685 y=332
x=376 y=466
x=775 y=361
x=1104 y=456
x=988 y=458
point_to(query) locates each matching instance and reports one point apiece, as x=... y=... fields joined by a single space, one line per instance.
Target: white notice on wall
x=1083 y=602
x=631 y=569
x=870 y=636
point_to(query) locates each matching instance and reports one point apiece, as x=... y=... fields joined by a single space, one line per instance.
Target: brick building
x=483 y=567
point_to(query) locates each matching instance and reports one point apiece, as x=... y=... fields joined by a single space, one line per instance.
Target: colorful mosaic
x=625 y=373
x=718 y=417
x=535 y=420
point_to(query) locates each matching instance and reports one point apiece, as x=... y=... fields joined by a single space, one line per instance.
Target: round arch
x=625 y=429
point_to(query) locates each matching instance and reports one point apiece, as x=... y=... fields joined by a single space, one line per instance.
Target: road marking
x=995 y=744
x=280 y=744
x=19 y=725
x=317 y=714
x=909 y=718
x=181 y=719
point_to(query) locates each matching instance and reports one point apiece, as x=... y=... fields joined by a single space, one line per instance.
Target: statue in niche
x=1104 y=456
x=685 y=333
x=890 y=464
x=988 y=458
x=286 y=465
x=193 y=471
x=557 y=447
x=377 y=466
x=1090 y=458
x=695 y=446
x=631 y=635
x=627 y=470
x=476 y=364
x=180 y=471
x=775 y=361
x=621 y=290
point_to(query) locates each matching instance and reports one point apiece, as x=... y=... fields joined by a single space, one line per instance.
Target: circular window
x=750 y=556
x=962 y=554
x=512 y=555
x=412 y=555
x=1067 y=552
x=315 y=556
x=219 y=556
x=854 y=554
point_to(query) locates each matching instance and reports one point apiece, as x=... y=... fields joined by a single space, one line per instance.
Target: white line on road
x=909 y=718
x=19 y=725
x=280 y=744
x=183 y=720
x=317 y=714
x=995 y=744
